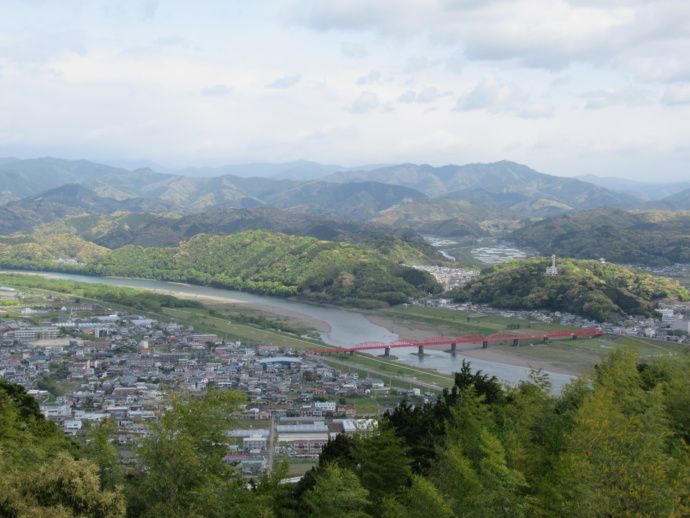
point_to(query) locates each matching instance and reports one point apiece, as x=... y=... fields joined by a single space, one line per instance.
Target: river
x=347 y=328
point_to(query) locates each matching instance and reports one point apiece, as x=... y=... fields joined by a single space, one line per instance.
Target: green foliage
x=272 y=264
x=655 y=238
x=258 y=262
x=337 y=493
x=181 y=457
x=599 y=291
x=39 y=475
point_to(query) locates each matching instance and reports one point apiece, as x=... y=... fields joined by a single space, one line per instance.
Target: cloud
x=491 y=94
x=173 y=40
x=677 y=94
x=542 y=34
x=371 y=78
x=537 y=110
x=285 y=82
x=353 y=50
x=497 y=96
x=428 y=95
x=148 y=9
x=365 y=103
x=417 y=64
x=217 y=90
x=623 y=97
x=35 y=48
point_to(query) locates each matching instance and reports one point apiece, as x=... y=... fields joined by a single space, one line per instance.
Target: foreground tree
x=39 y=474
x=182 y=472
x=337 y=493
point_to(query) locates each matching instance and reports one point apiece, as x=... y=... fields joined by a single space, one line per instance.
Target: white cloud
x=285 y=82
x=491 y=94
x=217 y=90
x=371 y=78
x=172 y=40
x=427 y=95
x=149 y=9
x=365 y=103
x=353 y=50
x=40 y=48
x=418 y=64
x=622 y=97
x=677 y=94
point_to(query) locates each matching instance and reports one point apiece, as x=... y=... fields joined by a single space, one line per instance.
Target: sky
x=567 y=87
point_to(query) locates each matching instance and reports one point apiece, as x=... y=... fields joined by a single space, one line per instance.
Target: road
x=271 y=443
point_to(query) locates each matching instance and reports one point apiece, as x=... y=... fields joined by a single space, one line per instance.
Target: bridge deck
x=442 y=340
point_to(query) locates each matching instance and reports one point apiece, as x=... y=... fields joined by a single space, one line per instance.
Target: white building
x=325 y=406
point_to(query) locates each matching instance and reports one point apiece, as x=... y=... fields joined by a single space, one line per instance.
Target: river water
x=347 y=328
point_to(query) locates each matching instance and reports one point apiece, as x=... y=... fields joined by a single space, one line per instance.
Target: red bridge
x=515 y=337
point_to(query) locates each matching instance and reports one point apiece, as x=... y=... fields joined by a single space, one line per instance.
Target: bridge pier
x=421 y=350
x=386 y=352
x=485 y=345
x=546 y=339
x=352 y=353
x=516 y=342
x=453 y=348
x=574 y=337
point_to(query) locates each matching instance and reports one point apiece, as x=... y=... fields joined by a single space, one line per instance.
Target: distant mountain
x=194 y=193
x=358 y=195
x=652 y=237
x=644 y=191
x=133 y=165
x=7 y=160
x=677 y=201
x=356 y=201
x=505 y=184
x=70 y=200
x=446 y=217
x=147 y=230
x=297 y=170
x=22 y=178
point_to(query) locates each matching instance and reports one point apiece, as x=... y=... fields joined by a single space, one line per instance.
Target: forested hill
x=649 y=237
x=595 y=290
x=254 y=261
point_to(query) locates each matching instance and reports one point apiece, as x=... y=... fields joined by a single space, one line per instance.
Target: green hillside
x=652 y=237
x=446 y=217
x=255 y=261
x=151 y=230
x=21 y=251
x=603 y=292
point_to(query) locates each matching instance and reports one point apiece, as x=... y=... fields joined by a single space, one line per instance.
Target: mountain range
x=115 y=207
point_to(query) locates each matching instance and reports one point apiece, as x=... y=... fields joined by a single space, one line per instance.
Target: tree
x=618 y=465
x=336 y=494
x=182 y=467
x=61 y=488
x=100 y=450
x=381 y=463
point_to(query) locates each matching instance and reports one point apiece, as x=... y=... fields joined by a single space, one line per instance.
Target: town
x=85 y=363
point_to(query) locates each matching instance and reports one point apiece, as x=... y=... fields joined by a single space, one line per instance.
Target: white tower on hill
x=552 y=270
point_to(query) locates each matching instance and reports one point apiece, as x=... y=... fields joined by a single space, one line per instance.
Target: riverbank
x=293 y=317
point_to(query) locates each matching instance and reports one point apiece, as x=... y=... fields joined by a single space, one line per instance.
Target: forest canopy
x=254 y=261
x=595 y=290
